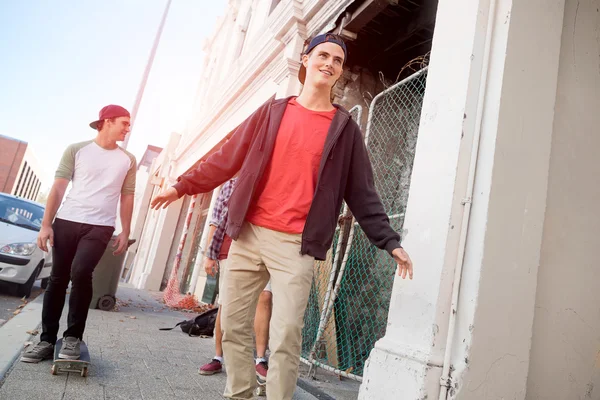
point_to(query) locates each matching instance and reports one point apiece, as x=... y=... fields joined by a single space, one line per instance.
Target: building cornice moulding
x=286 y=14
x=288 y=20
x=320 y=13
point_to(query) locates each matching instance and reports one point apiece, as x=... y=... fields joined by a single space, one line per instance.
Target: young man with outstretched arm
x=298 y=158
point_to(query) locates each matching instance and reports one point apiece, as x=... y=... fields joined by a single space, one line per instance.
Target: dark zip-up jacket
x=345 y=173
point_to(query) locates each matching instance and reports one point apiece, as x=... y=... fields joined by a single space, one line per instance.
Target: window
x=27 y=185
x=31 y=185
x=25 y=182
x=21 y=213
x=37 y=190
x=20 y=178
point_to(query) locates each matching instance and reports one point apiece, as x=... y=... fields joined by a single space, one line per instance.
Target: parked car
x=21 y=260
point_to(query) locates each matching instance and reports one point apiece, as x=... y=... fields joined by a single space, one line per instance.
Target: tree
x=42 y=197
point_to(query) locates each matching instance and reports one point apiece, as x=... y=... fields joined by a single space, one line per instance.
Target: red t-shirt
x=285 y=192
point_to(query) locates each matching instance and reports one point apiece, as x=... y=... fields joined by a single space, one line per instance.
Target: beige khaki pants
x=222 y=274
x=257 y=255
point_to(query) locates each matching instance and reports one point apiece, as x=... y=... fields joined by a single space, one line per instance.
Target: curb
x=13 y=334
x=313 y=390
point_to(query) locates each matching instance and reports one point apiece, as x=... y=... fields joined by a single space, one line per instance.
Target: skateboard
x=261 y=389
x=61 y=364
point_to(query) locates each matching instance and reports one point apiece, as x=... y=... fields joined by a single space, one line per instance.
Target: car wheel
x=44 y=283
x=24 y=290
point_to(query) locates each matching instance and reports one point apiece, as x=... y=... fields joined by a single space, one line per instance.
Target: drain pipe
x=446 y=381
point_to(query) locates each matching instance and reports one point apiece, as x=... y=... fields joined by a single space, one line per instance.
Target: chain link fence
x=350 y=296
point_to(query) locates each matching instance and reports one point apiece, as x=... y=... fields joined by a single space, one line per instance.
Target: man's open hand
x=165 y=198
x=120 y=243
x=405 y=265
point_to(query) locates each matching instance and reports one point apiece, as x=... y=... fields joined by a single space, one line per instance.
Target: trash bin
x=106 y=278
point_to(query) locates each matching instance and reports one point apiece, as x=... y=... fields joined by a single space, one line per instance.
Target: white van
x=21 y=260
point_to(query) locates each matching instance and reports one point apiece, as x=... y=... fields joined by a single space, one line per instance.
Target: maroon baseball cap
x=110 y=111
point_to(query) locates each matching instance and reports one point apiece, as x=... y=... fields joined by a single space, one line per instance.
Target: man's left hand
x=120 y=243
x=405 y=265
x=211 y=267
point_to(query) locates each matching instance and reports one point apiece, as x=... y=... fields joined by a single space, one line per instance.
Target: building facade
x=20 y=174
x=500 y=216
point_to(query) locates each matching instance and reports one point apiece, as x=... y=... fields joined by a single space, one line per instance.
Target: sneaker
x=41 y=351
x=71 y=348
x=261 y=370
x=213 y=367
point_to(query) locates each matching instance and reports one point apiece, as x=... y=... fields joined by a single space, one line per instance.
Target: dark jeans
x=77 y=250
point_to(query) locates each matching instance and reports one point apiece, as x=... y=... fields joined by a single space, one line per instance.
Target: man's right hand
x=165 y=198
x=46 y=234
x=210 y=266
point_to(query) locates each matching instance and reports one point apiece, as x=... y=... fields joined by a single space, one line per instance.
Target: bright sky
x=62 y=61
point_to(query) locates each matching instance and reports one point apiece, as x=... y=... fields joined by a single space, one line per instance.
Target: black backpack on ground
x=202 y=325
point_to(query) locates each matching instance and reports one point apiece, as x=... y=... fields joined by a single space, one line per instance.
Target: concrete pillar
x=158 y=249
x=287 y=77
x=226 y=59
x=492 y=75
x=199 y=275
x=242 y=15
x=158 y=227
x=564 y=362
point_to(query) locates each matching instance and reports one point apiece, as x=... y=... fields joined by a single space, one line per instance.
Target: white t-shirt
x=98 y=178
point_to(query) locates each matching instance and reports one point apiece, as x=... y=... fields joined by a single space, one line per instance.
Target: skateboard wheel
x=84 y=372
x=260 y=391
x=54 y=370
x=106 y=302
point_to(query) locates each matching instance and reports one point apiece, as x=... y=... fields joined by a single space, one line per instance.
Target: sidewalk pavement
x=131 y=359
x=326 y=385
x=17 y=331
